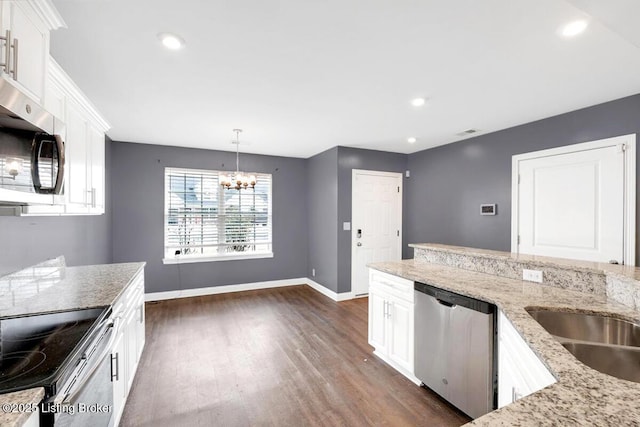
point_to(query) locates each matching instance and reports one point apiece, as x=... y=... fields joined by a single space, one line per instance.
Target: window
x=205 y=222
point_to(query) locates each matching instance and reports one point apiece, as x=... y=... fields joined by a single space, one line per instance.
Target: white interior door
x=571 y=202
x=376 y=223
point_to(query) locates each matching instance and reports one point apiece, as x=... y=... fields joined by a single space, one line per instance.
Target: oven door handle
x=86 y=376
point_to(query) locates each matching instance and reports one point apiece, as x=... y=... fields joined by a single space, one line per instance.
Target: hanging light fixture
x=240 y=180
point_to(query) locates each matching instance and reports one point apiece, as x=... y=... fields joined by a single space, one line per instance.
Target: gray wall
x=349 y=159
x=83 y=240
x=448 y=183
x=138 y=204
x=322 y=199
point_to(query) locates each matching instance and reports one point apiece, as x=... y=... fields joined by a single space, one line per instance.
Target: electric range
x=47 y=350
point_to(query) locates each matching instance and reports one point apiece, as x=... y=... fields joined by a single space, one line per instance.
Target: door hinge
x=518 y=239
x=398 y=189
x=518 y=178
x=622 y=148
x=398 y=233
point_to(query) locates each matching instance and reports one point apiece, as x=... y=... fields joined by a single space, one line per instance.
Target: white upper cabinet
x=84 y=143
x=24 y=47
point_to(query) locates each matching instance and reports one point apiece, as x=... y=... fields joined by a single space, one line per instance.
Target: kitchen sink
x=606 y=344
x=588 y=327
x=619 y=361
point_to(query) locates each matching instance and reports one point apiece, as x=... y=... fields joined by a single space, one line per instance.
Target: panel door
x=76 y=159
x=377 y=322
x=96 y=172
x=572 y=205
x=401 y=333
x=376 y=223
x=33 y=48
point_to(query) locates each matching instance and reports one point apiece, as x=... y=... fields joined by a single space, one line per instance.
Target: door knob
x=359 y=244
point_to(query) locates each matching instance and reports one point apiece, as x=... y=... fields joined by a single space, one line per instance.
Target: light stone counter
x=582 y=396
x=16 y=408
x=50 y=287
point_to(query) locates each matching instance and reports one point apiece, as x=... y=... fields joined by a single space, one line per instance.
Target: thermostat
x=488 y=209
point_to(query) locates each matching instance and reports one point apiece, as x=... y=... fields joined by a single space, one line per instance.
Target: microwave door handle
x=61 y=161
x=36 y=146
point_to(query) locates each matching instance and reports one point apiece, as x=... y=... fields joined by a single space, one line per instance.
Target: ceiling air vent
x=467 y=132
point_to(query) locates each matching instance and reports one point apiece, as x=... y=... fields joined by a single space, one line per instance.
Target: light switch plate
x=346 y=226
x=532 y=275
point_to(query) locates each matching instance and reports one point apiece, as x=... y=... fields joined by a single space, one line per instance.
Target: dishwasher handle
x=446 y=303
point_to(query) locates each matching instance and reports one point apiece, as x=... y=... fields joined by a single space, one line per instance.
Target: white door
x=572 y=204
x=376 y=226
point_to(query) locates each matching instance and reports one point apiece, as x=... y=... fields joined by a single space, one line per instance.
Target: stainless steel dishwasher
x=455 y=347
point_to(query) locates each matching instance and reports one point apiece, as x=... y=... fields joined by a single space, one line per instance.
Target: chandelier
x=240 y=180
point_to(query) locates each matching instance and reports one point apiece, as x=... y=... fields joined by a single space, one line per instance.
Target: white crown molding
x=72 y=91
x=48 y=13
x=213 y=290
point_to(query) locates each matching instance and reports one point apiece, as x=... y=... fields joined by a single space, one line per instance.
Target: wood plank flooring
x=276 y=357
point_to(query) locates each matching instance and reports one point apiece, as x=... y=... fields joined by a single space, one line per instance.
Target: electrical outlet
x=313 y=272
x=532 y=275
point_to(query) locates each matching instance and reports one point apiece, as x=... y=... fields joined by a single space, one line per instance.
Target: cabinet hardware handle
x=116 y=363
x=7 y=53
x=15 y=59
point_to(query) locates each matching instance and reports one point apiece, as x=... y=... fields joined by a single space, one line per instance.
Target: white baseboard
x=212 y=290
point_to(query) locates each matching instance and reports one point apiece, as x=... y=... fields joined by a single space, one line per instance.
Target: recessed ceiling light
x=574 y=28
x=418 y=102
x=171 y=41
x=412 y=139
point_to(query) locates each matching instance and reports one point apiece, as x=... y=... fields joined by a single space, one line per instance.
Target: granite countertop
x=50 y=287
x=17 y=407
x=606 y=268
x=581 y=395
x=47 y=288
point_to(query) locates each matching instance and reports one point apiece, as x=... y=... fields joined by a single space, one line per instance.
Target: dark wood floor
x=282 y=357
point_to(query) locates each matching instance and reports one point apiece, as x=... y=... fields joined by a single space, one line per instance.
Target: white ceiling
x=302 y=76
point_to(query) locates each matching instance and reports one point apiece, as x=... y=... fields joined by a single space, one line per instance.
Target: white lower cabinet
x=391 y=325
x=520 y=372
x=129 y=343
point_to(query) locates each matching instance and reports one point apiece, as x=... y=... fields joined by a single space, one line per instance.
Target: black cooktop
x=33 y=349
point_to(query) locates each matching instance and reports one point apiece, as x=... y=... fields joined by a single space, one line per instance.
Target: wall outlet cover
x=532 y=275
x=346 y=226
x=313 y=272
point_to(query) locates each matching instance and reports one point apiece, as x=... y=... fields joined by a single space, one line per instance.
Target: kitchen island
x=581 y=395
x=52 y=287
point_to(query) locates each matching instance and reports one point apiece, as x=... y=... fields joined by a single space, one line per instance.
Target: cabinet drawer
x=393 y=285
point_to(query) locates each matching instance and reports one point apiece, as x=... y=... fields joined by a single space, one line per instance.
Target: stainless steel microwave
x=31 y=164
x=32 y=156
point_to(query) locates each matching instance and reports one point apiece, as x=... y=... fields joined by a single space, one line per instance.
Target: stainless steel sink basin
x=620 y=362
x=588 y=327
x=606 y=344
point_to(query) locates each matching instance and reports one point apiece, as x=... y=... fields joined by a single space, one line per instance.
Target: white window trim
x=239 y=256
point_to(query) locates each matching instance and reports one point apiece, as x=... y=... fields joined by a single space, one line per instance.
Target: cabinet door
x=117 y=377
x=520 y=372
x=377 y=321
x=76 y=161
x=400 y=320
x=130 y=350
x=140 y=330
x=96 y=160
x=33 y=48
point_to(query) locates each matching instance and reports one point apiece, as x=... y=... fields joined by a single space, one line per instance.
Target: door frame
x=355 y=172
x=628 y=144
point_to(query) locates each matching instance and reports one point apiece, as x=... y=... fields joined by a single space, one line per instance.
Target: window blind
x=204 y=219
